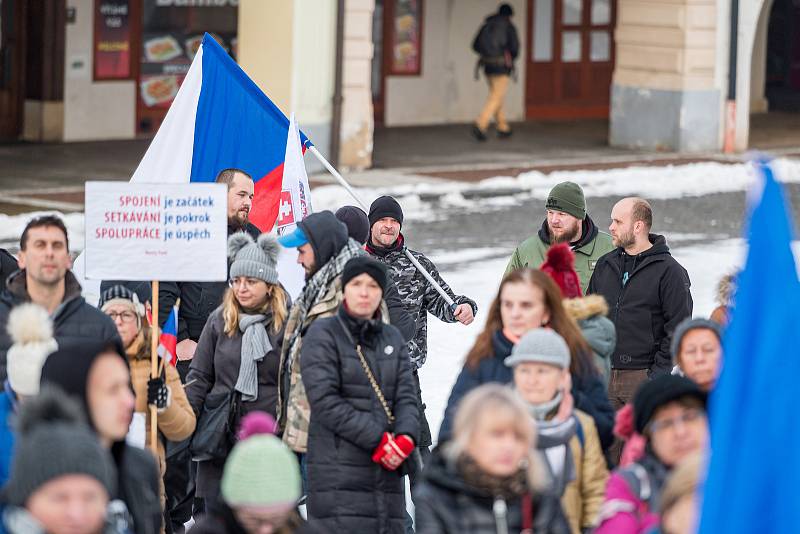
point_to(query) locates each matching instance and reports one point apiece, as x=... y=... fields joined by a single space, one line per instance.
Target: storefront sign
x=112 y=40
x=156 y=232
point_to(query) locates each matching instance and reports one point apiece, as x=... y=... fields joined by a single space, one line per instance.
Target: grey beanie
x=55 y=441
x=691 y=324
x=254 y=259
x=540 y=345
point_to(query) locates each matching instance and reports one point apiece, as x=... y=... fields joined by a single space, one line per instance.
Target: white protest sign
x=140 y=231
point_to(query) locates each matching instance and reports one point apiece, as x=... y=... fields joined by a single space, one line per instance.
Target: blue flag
x=753 y=482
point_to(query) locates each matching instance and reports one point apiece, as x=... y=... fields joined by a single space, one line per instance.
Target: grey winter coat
x=213 y=374
x=73 y=321
x=347 y=491
x=590 y=313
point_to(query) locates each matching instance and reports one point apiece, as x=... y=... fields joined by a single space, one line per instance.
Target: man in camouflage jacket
x=387 y=244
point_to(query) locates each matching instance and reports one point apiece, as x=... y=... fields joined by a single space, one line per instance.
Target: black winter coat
x=8 y=266
x=496 y=38
x=646 y=310
x=347 y=491
x=221 y=520
x=213 y=374
x=199 y=299
x=588 y=391
x=446 y=504
x=73 y=321
x=138 y=487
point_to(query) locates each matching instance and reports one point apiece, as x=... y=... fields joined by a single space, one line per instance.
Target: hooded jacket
x=647 y=308
x=591 y=246
x=74 y=321
x=347 y=491
x=590 y=312
x=447 y=504
x=137 y=471
x=496 y=38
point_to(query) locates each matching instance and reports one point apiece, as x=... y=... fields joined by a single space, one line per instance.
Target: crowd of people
x=580 y=407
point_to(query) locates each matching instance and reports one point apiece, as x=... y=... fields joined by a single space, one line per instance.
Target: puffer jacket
x=177 y=421
x=347 y=491
x=590 y=312
x=73 y=321
x=213 y=374
x=496 y=38
x=584 y=495
x=418 y=295
x=490 y=369
x=447 y=504
x=591 y=246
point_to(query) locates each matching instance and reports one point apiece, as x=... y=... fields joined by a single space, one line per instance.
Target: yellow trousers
x=498 y=87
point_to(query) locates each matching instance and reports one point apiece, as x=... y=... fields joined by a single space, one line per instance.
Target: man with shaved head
x=647 y=292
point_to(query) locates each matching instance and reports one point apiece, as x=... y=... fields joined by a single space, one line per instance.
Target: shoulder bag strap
x=374 y=384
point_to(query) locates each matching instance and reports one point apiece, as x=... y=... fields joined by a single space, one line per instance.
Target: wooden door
x=12 y=68
x=569 y=58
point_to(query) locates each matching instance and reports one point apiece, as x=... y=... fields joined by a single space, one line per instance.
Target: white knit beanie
x=31 y=330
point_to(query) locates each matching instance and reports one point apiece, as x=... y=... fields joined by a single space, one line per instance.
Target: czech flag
x=218 y=120
x=168 y=343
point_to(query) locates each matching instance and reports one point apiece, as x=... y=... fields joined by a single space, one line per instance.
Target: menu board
x=406 y=37
x=112 y=40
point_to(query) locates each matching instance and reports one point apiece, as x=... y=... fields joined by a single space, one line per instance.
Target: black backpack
x=490 y=41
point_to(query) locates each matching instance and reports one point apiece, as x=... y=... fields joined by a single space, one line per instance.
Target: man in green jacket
x=566 y=222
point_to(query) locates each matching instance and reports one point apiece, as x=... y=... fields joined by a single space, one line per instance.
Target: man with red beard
x=566 y=222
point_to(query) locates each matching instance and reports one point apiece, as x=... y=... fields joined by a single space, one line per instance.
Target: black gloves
x=158 y=393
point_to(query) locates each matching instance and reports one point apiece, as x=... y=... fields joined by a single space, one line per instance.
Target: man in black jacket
x=498 y=46
x=8 y=266
x=648 y=294
x=45 y=279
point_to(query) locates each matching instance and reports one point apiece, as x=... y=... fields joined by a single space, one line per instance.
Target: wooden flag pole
x=154 y=367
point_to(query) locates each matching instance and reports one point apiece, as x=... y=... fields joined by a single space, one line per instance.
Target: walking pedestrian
x=577 y=467
x=237 y=357
x=648 y=291
x=323 y=250
x=670 y=412
x=31 y=330
x=497 y=44
x=175 y=420
x=387 y=245
x=62 y=479
x=488 y=479
x=98 y=375
x=529 y=299
x=567 y=222
x=45 y=279
x=364 y=413
x=697 y=351
x=259 y=490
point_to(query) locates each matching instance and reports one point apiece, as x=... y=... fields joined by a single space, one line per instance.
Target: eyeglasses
x=690 y=415
x=239 y=281
x=126 y=316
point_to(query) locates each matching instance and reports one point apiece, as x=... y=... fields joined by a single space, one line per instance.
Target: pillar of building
x=664 y=95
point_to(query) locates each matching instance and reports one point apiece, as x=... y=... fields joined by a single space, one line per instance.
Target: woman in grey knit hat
x=239 y=348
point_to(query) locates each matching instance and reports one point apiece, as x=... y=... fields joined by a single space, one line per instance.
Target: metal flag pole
x=408 y=254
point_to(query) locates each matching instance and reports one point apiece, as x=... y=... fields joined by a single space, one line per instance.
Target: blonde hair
x=499 y=403
x=276 y=302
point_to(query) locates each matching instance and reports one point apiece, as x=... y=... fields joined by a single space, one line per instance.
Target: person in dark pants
x=648 y=293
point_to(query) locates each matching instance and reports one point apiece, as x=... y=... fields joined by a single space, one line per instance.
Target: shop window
x=112 y=40
x=404 y=32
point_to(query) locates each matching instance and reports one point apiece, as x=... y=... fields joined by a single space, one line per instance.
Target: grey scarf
x=255 y=345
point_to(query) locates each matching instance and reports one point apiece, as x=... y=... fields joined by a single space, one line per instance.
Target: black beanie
x=505 y=10
x=54 y=441
x=662 y=390
x=385 y=206
x=356 y=221
x=365 y=264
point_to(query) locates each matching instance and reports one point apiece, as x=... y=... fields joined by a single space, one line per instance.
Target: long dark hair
x=581 y=362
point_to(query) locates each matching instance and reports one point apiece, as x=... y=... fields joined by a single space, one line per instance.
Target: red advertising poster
x=112 y=40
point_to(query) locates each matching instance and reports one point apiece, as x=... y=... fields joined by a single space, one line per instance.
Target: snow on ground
x=448 y=344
